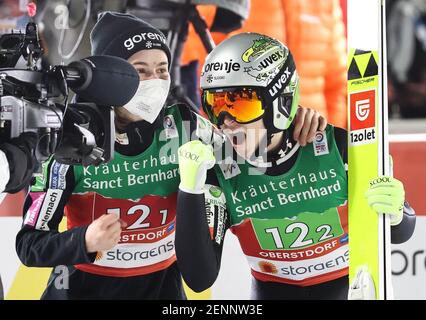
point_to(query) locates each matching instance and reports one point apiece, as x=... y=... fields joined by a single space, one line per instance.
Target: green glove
x=386 y=195
x=195 y=158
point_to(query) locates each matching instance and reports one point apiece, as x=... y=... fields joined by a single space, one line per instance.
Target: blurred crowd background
x=314 y=30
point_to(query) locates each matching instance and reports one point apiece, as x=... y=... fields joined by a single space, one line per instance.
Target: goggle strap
x=287 y=71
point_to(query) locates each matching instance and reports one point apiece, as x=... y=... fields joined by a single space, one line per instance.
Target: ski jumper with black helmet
x=141 y=189
x=139 y=185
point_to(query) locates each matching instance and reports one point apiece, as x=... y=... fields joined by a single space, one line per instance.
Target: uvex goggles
x=243 y=104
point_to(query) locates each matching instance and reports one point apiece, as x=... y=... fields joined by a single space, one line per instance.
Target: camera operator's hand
x=22 y=161
x=104 y=233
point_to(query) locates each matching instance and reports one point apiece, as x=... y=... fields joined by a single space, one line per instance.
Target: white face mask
x=149 y=99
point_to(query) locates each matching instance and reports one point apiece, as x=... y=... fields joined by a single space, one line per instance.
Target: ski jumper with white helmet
x=293 y=226
x=289 y=211
x=265 y=66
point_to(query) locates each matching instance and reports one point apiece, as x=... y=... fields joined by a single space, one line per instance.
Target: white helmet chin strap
x=280 y=119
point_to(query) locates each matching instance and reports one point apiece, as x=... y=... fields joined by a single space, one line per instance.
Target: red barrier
x=12 y=205
x=410 y=167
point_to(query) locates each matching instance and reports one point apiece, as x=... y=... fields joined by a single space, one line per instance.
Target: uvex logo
x=280 y=83
x=270 y=59
x=363 y=110
x=379 y=180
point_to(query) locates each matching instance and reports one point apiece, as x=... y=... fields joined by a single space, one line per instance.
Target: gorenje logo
x=222 y=66
x=130 y=42
x=362 y=117
x=280 y=83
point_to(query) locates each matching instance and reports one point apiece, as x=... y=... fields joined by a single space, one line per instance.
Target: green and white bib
x=293 y=227
x=142 y=191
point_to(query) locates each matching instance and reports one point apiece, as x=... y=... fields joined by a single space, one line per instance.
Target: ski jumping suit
x=291 y=221
x=140 y=185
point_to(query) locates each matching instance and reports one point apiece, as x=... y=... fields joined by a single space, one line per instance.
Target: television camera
x=35 y=99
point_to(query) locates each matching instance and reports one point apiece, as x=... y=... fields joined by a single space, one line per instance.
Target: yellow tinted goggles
x=243 y=104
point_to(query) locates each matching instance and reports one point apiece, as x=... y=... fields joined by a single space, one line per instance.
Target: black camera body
x=34 y=99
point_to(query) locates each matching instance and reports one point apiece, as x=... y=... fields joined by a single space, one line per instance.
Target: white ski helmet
x=262 y=68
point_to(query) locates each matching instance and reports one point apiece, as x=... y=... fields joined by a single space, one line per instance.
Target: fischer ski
x=368 y=149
